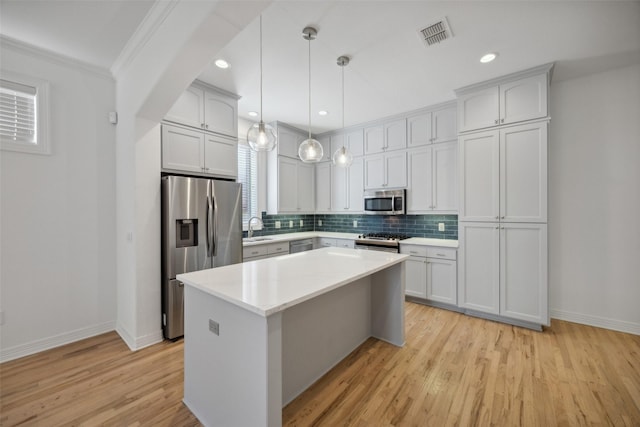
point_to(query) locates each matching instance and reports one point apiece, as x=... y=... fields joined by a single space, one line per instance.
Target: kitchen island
x=257 y=334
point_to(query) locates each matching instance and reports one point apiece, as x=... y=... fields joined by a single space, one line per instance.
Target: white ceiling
x=391 y=71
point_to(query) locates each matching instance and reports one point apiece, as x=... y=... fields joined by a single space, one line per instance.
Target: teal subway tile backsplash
x=411 y=225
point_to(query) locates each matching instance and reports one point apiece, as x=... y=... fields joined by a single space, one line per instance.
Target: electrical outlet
x=214 y=327
x=301 y=223
x=441 y=226
x=320 y=223
x=355 y=223
x=277 y=224
x=290 y=224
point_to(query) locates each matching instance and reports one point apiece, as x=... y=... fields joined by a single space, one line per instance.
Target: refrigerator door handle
x=214 y=235
x=209 y=227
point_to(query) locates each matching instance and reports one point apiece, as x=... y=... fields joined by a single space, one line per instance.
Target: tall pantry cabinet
x=502 y=228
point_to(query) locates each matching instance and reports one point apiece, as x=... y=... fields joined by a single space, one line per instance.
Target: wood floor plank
x=453 y=370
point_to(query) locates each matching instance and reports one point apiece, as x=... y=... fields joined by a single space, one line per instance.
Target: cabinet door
x=479 y=159
x=339 y=189
x=445 y=176
x=374 y=139
x=441 y=281
x=478 y=267
x=395 y=135
x=220 y=114
x=182 y=149
x=416 y=277
x=523 y=272
x=396 y=170
x=323 y=187
x=354 y=140
x=419 y=130
x=444 y=125
x=523 y=173
x=524 y=99
x=188 y=109
x=287 y=185
x=220 y=156
x=419 y=189
x=356 y=186
x=337 y=141
x=374 y=174
x=306 y=188
x=325 y=141
x=479 y=110
x=288 y=142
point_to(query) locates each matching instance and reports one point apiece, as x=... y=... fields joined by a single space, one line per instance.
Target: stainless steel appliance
x=300 y=245
x=386 y=242
x=385 y=202
x=201 y=228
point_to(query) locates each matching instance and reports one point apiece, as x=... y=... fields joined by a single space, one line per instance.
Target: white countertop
x=271 y=285
x=444 y=243
x=275 y=238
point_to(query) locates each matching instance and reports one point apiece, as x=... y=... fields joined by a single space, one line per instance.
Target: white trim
x=43 y=145
x=145 y=31
x=139 y=343
x=126 y=337
x=37 y=346
x=597 y=321
x=27 y=49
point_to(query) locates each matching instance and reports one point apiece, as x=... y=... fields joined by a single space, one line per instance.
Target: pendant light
x=310 y=150
x=342 y=157
x=261 y=136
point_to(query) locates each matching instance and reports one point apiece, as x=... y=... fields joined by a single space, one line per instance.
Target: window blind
x=18 y=121
x=247 y=175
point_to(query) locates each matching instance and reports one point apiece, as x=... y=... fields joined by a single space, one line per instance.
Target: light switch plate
x=355 y=223
x=441 y=226
x=290 y=224
x=214 y=327
x=277 y=224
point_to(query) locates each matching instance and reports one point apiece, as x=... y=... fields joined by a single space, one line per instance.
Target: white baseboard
x=138 y=343
x=37 y=346
x=600 y=322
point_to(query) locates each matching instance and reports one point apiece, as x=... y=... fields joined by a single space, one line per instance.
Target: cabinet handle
x=254 y=253
x=501 y=120
x=501 y=228
x=495 y=121
x=202 y=125
x=440 y=254
x=502 y=217
x=497 y=228
x=497 y=217
x=413 y=252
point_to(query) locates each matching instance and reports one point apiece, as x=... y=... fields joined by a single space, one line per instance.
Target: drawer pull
x=254 y=253
x=441 y=254
x=413 y=252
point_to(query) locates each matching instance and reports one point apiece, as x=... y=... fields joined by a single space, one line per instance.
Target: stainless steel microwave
x=385 y=202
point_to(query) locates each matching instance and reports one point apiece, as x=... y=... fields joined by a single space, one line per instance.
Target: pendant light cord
x=260 y=68
x=343 y=105
x=309 y=87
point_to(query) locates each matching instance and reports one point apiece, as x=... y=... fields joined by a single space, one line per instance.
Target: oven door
x=373 y=247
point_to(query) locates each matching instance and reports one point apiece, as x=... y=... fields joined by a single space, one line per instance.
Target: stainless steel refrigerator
x=201 y=228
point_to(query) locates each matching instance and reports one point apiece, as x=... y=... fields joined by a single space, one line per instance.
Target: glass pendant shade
x=261 y=137
x=342 y=157
x=310 y=151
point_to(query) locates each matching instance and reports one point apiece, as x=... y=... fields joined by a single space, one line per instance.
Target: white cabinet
x=432 y=127
x=391 y=135
x=325 y=141
x=387 y=170
x=326 y=242
x=187 y=150
x=206 y=108
x=352 y=140
x=432 y=179
x=431 y=273
x=509 y=102
x=502 y=270
x=289 y=140
x=254 y=252
x=503 y=174
x=347 y=187
x=324 y=183
x=291 y=186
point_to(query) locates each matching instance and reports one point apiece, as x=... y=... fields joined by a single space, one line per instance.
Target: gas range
x=389 y=242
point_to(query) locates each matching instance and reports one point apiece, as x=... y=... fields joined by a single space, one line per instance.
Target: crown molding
x=28 y=49
x=147 y=28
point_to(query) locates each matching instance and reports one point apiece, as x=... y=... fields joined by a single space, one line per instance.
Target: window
x=248 y=176
x=23 y=114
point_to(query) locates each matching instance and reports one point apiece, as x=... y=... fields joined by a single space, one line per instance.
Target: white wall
x=57 y=280
x=594 y=199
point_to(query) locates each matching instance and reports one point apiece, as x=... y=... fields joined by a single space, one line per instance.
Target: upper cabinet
x=289 y=140
x=431 y=127
x=432 y=174
x=518 y=98
x=207 y=108
x=391 y=135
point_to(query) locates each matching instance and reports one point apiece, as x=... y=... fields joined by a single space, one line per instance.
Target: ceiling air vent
x=435 y=33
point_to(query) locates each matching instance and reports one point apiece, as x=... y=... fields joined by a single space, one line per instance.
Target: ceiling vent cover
x=435 y=33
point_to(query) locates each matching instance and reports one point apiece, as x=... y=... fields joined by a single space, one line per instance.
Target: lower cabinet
x=431 y=273
x=254 y=252
x=502 y=270
x=324 y=242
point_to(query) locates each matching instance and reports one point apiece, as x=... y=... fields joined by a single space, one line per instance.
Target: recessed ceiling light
x=221 y=63
x=488 y=57
x=253 y=113
x=323 y=113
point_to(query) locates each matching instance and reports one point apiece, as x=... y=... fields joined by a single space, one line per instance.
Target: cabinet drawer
x=345 y=243
x=444 y=253
x=278 y=248
x=413 y=250
x=327 y=242
x=254 y=251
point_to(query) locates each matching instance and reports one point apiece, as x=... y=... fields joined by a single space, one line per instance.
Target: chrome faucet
x=250 y=232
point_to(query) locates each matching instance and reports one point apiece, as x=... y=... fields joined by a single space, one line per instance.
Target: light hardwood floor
x=454 y=370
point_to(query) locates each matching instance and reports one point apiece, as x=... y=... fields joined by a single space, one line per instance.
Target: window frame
x=243 y=143
x=43 y=144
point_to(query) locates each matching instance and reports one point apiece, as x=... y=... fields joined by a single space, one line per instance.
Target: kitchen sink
x=256 y=239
